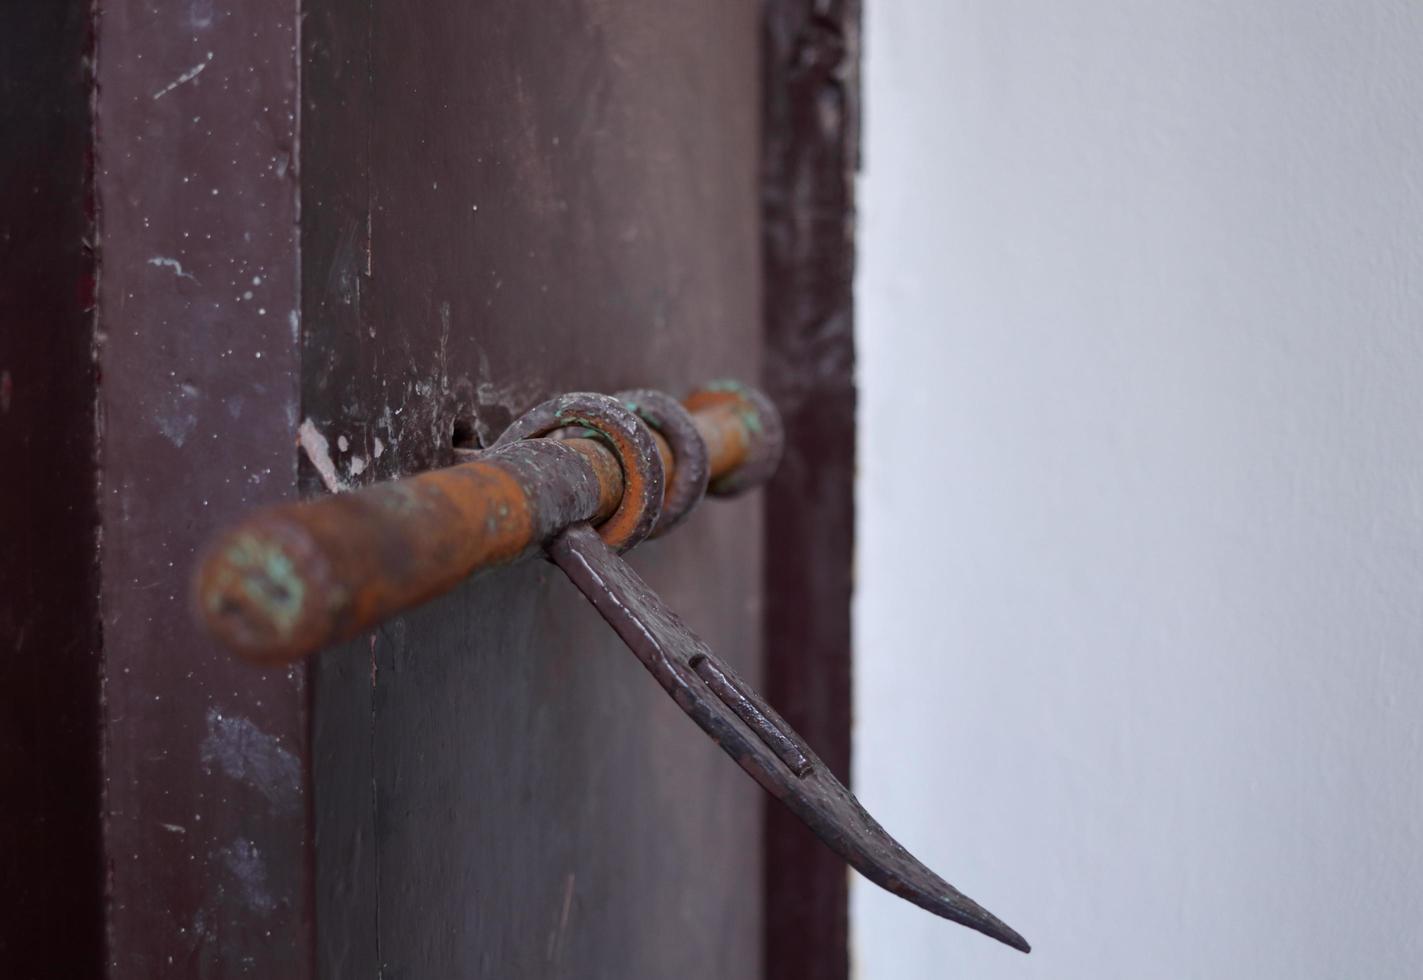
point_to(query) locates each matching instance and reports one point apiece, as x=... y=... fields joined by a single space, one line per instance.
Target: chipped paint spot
x=7 y=391
x=318 y=450
x=358 y=465
x=250 y=756
x=379 y=448
x=496 y=405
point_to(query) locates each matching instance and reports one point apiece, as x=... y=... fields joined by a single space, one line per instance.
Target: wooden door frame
x=811 y=155
x=144 y=817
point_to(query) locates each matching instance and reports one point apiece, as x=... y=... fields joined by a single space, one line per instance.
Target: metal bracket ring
x=629 y=438
x=762 y=420
x=687 y=484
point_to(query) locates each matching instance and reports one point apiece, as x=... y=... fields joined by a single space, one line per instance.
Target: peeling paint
x=497 y=405
x=318 y=450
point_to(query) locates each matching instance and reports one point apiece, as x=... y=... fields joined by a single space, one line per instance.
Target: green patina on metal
x=747 y=413
x=636 y=409
x=751 y=419
x=268 y=577
x=725 y=384
x=573 y=418
x=399 y=498
x=589 y=428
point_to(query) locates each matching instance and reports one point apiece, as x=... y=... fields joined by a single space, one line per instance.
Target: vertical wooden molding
x=51 y=915
x=811 y=127
x=206 y=803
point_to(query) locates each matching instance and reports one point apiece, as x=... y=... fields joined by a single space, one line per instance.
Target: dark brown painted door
x=234 y=233
x=502 y=202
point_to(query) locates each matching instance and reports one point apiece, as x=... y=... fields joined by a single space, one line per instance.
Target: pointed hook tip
x=981 y=920
x=996 y=929
x=1016 y=941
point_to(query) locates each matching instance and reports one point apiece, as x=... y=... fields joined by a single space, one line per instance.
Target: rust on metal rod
x=294 y=578
x=724 y=431
x=743 y=434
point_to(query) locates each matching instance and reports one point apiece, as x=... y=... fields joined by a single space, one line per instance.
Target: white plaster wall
x=1140 y=609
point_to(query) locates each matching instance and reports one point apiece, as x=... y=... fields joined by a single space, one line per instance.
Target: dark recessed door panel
x=500 y=204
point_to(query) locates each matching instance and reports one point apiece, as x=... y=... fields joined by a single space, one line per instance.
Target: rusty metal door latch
x=581 y=478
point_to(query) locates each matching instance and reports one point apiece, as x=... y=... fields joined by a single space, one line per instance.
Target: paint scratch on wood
x=162 y=261
x=556 y=938
x=184 y=78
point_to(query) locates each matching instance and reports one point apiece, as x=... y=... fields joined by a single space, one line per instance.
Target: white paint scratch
x=318 y=450
x=184 y=78
x=162 y=261
x=174 y=828
x=556 y=938
x=567 y=904
x=444 y=360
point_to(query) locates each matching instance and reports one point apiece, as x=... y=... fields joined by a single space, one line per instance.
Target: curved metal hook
x=753 y=734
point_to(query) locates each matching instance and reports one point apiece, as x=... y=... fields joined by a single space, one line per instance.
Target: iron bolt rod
x=294 y=578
